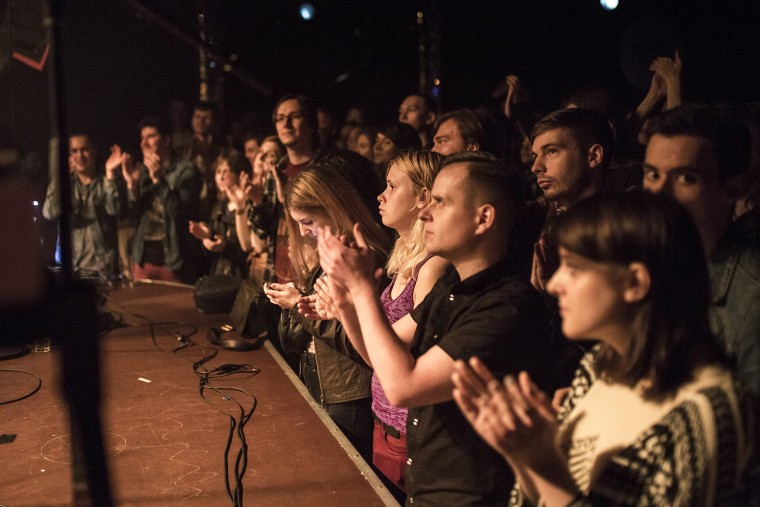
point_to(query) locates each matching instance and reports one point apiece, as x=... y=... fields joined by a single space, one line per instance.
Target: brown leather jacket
x=343 y=375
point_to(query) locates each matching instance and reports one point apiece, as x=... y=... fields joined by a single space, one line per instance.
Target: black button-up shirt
x=501 y=319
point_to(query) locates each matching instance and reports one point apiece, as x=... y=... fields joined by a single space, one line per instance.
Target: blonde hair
x=322 y=192
x=421 y=167
x=276 y=140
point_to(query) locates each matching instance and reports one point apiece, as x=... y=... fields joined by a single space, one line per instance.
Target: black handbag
x=215 y=293
x=250 y=320
x=252 y=312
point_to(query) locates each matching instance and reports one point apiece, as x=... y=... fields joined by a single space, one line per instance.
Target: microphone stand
x=72 y=306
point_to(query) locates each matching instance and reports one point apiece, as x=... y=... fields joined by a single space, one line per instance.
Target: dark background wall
x=118 y=65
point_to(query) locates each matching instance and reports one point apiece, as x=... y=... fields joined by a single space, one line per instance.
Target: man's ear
x=472 y=147
x=637 y=282
x=595 y=155
x=423 y=198
x=430 y=118
x=485 y=217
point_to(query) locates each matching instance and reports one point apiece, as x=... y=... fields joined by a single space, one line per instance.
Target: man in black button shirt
x=479 y=307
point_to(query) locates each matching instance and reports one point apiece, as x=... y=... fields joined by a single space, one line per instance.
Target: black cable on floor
x=27 y=395
x=206 y=376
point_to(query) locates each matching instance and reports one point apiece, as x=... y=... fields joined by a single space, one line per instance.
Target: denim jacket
x=735 y=303
x=179 y=191
x=95 y=209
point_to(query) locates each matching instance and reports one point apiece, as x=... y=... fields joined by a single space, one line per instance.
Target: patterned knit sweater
x=703 y=451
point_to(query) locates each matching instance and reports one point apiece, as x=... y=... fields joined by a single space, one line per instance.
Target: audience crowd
x=496 y=307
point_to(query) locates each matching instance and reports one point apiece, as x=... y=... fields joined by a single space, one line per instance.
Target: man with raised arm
x=96 y=200
x=163 y=193
x=478 y=307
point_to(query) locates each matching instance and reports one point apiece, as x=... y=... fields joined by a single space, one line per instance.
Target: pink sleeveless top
x=394 y=310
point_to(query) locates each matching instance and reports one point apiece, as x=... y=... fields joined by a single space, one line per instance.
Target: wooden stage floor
x=164 y=444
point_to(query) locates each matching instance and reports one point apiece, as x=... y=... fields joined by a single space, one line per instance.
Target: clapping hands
x=512 y=416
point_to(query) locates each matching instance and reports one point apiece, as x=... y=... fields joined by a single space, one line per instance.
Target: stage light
x=609 y=4
x=307 y=11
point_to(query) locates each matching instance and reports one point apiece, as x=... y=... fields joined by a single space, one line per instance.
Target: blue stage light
x=307 y=11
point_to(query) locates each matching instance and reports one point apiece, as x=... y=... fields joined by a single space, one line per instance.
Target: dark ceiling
x=120 y=63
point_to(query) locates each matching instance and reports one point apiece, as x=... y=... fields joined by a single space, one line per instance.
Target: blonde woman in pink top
x=413 y=273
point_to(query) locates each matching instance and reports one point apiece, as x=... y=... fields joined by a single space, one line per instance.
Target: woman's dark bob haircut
x=671 y=320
